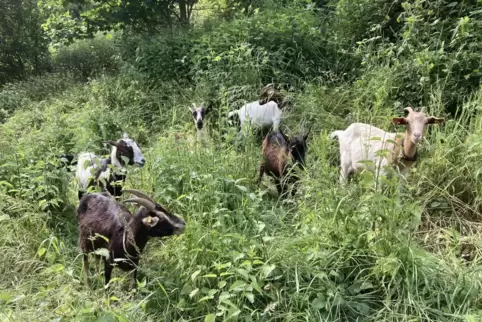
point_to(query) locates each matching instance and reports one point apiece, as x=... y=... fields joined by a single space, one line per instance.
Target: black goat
x=106 y=223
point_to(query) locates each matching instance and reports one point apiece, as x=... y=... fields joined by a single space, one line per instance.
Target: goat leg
x=279 y=187
x=260 y=173
x=97 y=263
x=86 y=269
x=107 y=271
x=134 y=279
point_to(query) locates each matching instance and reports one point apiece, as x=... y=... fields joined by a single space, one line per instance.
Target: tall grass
x=246 y=254
x=409 y=252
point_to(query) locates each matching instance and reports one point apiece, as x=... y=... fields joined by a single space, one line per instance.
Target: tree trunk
x=183 y=12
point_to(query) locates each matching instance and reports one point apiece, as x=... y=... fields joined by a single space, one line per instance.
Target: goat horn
x=139 y=194
x=408 y=109
x=114 y=143
x=143 y=202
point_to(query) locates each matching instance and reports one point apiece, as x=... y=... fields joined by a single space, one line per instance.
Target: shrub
x=87 y=58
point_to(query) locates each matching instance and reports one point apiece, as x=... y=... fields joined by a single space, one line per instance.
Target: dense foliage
x=410 y=252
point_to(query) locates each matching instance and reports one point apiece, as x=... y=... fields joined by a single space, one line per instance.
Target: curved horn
x=194 y=105
x=113 y=143
x=408 y=109
x=139 y=194
x=143 y=202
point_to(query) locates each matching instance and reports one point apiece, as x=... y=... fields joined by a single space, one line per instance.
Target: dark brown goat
x=279 y=152
x=106 y=223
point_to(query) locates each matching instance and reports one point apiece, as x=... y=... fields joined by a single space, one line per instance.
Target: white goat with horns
x=363 y=142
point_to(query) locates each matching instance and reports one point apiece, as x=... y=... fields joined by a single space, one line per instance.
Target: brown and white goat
x=280 y=153
x=106 y=223
x=362 y=142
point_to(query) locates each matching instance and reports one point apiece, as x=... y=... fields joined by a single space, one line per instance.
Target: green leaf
x=243 y=272
x=102 y=252
x=256 y=286
x=222 y=284
x=193 y=293
x=210 y=318
x=237 y=285
x=267 y=269
x=250 y=297
x=53 y=269
x=41 y=251
x=319 y=302
x=6 y=297
x=210 y=275
x=195 y=274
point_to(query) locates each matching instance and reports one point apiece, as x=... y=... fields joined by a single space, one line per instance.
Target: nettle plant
x=229 y=287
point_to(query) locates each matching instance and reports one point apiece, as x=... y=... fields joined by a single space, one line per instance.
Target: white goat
x=261 y=115
x=364 y=142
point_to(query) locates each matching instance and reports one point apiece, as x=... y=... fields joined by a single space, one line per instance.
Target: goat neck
x=405 y=152
x=134 y=238
x=113 y=156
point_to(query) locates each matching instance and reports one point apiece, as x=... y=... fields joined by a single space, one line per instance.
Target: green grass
x=332 y=253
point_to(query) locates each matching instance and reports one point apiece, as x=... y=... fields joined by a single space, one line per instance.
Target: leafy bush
x=87 y=58
x=35 y=88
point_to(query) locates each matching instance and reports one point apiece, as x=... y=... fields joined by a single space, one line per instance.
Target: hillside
x=408 y=252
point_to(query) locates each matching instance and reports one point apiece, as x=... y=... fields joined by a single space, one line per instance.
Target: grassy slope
x=246 y=253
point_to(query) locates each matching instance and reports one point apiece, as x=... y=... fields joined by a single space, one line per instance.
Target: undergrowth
x=410 y=252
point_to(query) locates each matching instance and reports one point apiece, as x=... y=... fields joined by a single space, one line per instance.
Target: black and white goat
x=106 y=223
x=109 y=173
x=198 y=114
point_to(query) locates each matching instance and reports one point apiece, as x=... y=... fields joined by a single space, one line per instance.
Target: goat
x=198 y=114
x=272 y=93
x=89 y=174
x=279 y=151
x=106 y=223
x=262 y=115
x=361 y=141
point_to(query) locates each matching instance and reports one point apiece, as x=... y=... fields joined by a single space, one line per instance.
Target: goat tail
x=335 y=134
x=67 y=160
x=232 y=113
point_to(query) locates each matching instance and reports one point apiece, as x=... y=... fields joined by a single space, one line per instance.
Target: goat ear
x=284 y=135
x=150 y=221
x=399 y=120
x=208 y=108
x=113 y=143
x=435 y=120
